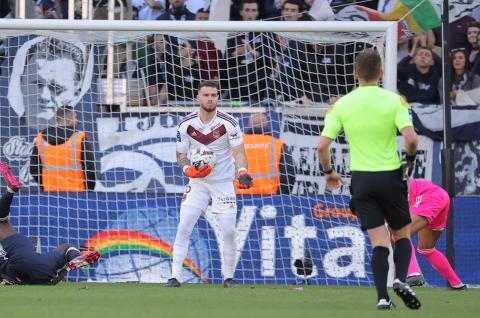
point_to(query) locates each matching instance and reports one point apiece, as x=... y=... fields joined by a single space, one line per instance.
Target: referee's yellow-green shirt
x=370 y=117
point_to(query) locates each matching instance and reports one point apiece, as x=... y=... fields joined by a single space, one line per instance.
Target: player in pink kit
x=429 y=205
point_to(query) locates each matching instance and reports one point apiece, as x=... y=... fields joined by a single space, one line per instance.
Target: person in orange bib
x=269 y=162
x=62 y=158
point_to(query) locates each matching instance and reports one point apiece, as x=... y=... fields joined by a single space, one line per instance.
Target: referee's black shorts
x=379 y=197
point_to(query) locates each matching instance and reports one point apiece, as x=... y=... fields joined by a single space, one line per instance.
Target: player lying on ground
x=19 y=263
x=429 y=205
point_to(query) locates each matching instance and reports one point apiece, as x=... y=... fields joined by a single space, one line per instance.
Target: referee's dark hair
x=368 y=65
x=208 y=84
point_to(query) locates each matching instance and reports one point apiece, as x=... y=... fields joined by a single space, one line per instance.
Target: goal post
x=131 y=82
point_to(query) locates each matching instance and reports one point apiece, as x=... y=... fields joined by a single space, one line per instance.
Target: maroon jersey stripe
x=208 y=138
x=227 y=118
x=188 y=117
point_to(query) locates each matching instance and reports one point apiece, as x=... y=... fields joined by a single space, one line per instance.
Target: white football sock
x=188 y=218
x=227 y=224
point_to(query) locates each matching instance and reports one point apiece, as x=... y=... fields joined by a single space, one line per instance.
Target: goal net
x=130 y=84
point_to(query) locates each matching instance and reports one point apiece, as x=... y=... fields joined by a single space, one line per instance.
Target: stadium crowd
x=257 y=67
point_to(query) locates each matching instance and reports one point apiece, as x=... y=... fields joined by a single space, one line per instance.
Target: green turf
x=264 y=301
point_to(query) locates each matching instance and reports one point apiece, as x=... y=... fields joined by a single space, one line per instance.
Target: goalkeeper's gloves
x=244 y=179
x=194 y=172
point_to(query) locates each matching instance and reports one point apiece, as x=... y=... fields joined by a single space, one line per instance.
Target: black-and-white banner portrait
x=467 y=169
x=47 y=74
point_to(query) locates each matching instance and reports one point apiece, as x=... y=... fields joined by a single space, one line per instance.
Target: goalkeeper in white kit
x=220 y=133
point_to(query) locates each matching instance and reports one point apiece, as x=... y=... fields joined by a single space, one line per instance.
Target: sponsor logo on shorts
x=227 y=200
x=418 y=200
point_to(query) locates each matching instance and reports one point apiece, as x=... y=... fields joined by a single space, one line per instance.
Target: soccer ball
x=201 y=156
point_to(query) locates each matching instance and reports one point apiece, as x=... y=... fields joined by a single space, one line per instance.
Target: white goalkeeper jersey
x=219 y=136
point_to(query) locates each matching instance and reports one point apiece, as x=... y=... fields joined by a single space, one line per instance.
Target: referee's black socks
x=401 y=256
x=5 y=202
x=380 y=270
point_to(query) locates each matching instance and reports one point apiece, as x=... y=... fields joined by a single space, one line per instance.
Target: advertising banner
x=135 y=235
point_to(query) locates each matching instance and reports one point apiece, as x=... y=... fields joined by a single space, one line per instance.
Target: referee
x=370 y=117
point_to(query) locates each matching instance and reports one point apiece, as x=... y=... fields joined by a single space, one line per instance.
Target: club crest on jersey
x=216 y=134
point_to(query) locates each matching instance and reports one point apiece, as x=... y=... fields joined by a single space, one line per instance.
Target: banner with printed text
x=135 y=235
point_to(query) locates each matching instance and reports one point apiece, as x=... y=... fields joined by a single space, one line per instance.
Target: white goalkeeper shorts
x=198 y=193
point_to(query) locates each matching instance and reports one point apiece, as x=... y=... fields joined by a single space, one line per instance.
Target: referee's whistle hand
x=334 y=181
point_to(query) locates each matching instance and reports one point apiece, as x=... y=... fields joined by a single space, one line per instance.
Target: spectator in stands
x=149 y=9
x=324 y=72
x=134 y=13
x=268 y=159
x=152 y=66
x=208 y=55
x=264 y=9
x=45 y=9
x=462 y=76
x=457 y=33
x=177 y=12
x=476 y=58
x=419 y=75
x=184 y=74
x=249 y=10
x=47 y=74
x=248 y=60
x=61 y=7
x=286 y=71
x=202 y=15
x=473 y=31
x=425 y=39
x=403 y=48
x=62 y=157
x=291 y=10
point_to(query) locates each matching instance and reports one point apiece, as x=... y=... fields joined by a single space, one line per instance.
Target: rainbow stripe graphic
x=124 y=240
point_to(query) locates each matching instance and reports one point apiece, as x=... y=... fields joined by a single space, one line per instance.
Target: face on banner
x=48 y=74
x=467 y=171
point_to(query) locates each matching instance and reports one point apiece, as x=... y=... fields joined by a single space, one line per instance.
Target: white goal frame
x=388 y=28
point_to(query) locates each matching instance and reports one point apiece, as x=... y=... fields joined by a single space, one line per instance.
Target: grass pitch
x=89 y=300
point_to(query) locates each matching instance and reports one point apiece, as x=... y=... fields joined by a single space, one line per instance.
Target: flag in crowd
x=420 y=15
x=414 y=15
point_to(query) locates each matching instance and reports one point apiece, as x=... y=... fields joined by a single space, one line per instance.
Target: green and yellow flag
x=425 y=15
